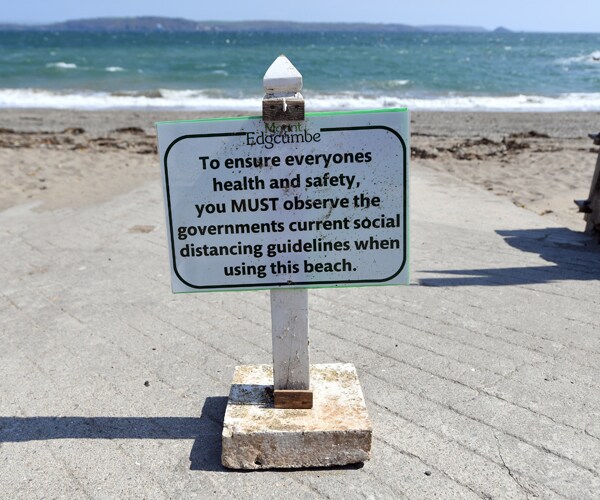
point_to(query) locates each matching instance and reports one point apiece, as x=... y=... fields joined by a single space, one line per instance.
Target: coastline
x=67 y=158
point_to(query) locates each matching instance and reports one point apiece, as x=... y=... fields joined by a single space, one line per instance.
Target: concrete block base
x=336 y=431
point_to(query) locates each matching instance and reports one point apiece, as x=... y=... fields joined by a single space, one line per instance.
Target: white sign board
x=252 y=205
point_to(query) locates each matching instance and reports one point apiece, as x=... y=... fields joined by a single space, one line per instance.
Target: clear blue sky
x=529 y=15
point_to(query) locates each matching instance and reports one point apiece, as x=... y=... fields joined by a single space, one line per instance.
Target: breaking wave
x=591 y=58
x=61 y=65
x=209 y=101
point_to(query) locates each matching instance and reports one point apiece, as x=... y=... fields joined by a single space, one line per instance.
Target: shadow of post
x=206 y=430
x=206 y=451
x=574 y=256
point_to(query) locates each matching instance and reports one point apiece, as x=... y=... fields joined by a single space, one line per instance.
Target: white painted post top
x=282 y=77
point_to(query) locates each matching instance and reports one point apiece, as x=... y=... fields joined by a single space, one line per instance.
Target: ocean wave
x=156 y=99
x=221 y=72
x=114 y=69
x=591 y=58
x=152 y=94
x=523 y=103
x=61 y=65
x=392 y=84
x=207 y=101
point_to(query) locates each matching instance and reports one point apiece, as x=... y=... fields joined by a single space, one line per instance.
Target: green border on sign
x=317 y=113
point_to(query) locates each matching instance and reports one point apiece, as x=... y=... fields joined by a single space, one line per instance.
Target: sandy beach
x=540 y=161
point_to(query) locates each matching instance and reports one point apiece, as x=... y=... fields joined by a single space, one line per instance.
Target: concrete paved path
x=482 y=378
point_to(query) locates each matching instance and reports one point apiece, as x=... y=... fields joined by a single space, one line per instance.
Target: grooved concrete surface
x=481 y=378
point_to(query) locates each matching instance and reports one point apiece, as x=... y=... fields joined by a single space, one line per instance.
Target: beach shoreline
x=71 y=158
x=558 y=124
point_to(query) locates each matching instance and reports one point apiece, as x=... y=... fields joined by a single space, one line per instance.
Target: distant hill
x=168 y=24
x=453 y=29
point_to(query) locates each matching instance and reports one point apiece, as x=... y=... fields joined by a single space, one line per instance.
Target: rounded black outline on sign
x=287 y=284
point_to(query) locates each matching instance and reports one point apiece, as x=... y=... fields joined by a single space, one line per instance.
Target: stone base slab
x=336 y=431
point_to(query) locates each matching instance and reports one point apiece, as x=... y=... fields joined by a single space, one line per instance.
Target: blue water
x=341 y=70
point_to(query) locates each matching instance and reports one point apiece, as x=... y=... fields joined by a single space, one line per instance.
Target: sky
x=520 y=15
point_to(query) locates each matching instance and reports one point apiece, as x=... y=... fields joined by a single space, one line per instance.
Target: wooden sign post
x=284 y=202
x=283 y=104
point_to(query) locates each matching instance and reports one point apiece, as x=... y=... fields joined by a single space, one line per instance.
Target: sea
x=210 y=71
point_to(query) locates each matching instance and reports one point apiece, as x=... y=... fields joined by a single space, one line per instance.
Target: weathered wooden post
x=283 y=105
x=285 y=202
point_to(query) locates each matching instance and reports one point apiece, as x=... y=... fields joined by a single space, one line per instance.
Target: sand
x=540 y=161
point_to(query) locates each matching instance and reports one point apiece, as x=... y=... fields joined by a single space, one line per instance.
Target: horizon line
x=461 y=27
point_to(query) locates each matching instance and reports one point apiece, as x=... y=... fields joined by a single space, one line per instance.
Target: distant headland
x=168 y=24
